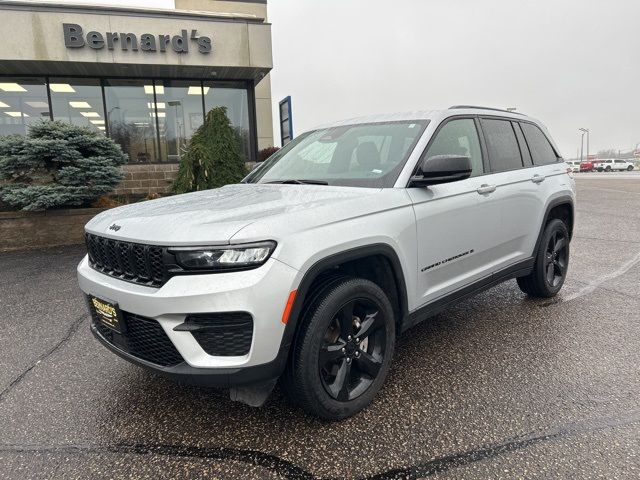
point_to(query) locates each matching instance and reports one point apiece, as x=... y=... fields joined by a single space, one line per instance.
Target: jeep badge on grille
x=115 y=227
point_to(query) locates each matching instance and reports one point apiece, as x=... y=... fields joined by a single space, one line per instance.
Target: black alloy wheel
x=555 y=259
x=353 y=350
x=343 y=350
x=551 y=263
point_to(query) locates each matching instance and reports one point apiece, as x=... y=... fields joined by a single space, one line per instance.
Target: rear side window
x=541 y=150
x=502 y=146
x=524 y=149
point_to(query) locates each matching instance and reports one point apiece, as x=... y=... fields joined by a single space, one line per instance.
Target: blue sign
x=286 y=121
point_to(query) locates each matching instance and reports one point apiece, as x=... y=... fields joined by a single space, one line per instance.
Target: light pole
x=581 y=147
x=586 y=130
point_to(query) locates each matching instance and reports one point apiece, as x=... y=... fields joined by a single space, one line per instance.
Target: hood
x=215 y=216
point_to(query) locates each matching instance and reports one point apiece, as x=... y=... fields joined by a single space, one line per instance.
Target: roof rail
x=457 y=107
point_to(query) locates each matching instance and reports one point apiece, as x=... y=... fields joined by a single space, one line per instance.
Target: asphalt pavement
x=500 y=386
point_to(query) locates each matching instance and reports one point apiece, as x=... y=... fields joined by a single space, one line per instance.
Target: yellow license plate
x=107 y=313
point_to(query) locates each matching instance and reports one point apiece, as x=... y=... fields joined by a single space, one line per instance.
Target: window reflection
x=23 y=101
x=181 y=103
x=131 y=116
x=237 y=103
x=78 y=101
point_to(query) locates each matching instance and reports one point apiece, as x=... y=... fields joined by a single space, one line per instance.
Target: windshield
x=362 y=155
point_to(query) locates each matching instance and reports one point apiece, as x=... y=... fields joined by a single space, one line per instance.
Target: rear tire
x=343 y=351
x=629 y=168
x=551 y=262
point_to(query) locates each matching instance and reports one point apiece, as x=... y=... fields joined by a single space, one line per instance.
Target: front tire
x=344 y=350
x=629 y=168
x=551 y=263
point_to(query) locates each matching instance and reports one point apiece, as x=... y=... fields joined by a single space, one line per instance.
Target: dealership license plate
x=108 y=314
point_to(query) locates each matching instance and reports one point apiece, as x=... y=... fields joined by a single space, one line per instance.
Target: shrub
x=212 y=158
x=266 y=153
x=57 y=164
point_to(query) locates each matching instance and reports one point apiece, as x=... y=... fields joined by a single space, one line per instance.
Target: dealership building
x=144 y=77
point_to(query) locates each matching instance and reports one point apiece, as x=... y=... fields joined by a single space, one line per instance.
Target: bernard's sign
x=74 y=38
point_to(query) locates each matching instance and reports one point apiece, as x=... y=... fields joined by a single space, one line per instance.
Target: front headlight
x=224 y=257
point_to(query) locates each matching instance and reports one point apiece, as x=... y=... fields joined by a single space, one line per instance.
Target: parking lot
x=499 y=387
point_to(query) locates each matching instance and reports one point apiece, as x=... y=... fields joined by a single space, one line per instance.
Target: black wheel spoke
x=340 y=387
x=560 y=244
x=371 y=323
x=331 y=353
x=550 y=273
x=345 y=317
x=367 y=364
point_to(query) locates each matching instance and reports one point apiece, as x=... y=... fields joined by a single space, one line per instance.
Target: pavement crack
x=73 y=328
x=624 y=268
x=270 y=462
x=448 y=462
x=287 y=469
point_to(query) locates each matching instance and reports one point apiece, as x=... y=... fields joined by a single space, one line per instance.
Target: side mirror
x=441 y=169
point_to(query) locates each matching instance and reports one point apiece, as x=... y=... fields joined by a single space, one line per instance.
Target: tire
x=608 y=169
x=333 y=372
x=629 y=168
x=551 y=263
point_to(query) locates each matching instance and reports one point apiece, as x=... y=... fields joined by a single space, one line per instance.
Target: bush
x=56 y=165
x=212 y=158
x=266 y=153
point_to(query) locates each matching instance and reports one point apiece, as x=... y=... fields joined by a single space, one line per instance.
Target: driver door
x=449 y=221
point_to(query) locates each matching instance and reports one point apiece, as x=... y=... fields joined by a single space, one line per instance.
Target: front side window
x=23 y=102
x=502 y=146
x=541 y=150
x=458 y=137
x=361 y=155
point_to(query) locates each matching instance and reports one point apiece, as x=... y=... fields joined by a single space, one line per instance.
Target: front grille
x=133 y=262
x=143 y=338
x=225 y=334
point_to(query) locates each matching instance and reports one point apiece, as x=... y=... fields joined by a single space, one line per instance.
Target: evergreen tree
x=57 y=164
x=212 y=158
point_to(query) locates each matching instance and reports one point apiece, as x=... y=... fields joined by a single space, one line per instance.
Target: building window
x=181 y=103
x=236 y=100
x=131 y=117
x=78 y=101
x=23 y=101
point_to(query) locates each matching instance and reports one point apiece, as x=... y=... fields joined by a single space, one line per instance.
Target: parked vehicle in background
x=612 y=165
x=587 y=166
x=311 y=266
x=574 y=166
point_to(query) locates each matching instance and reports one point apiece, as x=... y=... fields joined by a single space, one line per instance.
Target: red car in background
x=587 y=166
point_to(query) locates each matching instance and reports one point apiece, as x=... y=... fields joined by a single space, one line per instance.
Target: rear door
x=516 y=206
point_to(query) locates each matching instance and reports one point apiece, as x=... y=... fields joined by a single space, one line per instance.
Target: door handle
x=537 y=178
x=484 y=189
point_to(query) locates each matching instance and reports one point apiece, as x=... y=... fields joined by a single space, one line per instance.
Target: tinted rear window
x=504 y=153
x=541 y=150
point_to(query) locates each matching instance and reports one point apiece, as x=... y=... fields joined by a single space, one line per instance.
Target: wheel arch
x=341 y=263
x=561 y=207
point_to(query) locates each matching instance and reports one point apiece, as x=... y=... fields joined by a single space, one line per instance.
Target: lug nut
x=348 y=360
x=357 y=340
x=357 y=354
x=344 y=350
x=349 y=337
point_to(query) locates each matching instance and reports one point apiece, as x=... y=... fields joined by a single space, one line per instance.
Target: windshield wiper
x=301 y=182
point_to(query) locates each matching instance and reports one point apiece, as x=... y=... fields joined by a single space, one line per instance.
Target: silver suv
x=309 y=269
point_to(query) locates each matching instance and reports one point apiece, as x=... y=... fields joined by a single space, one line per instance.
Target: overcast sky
x=570 y=63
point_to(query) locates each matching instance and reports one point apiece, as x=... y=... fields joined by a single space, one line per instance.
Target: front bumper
x=262 y=292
